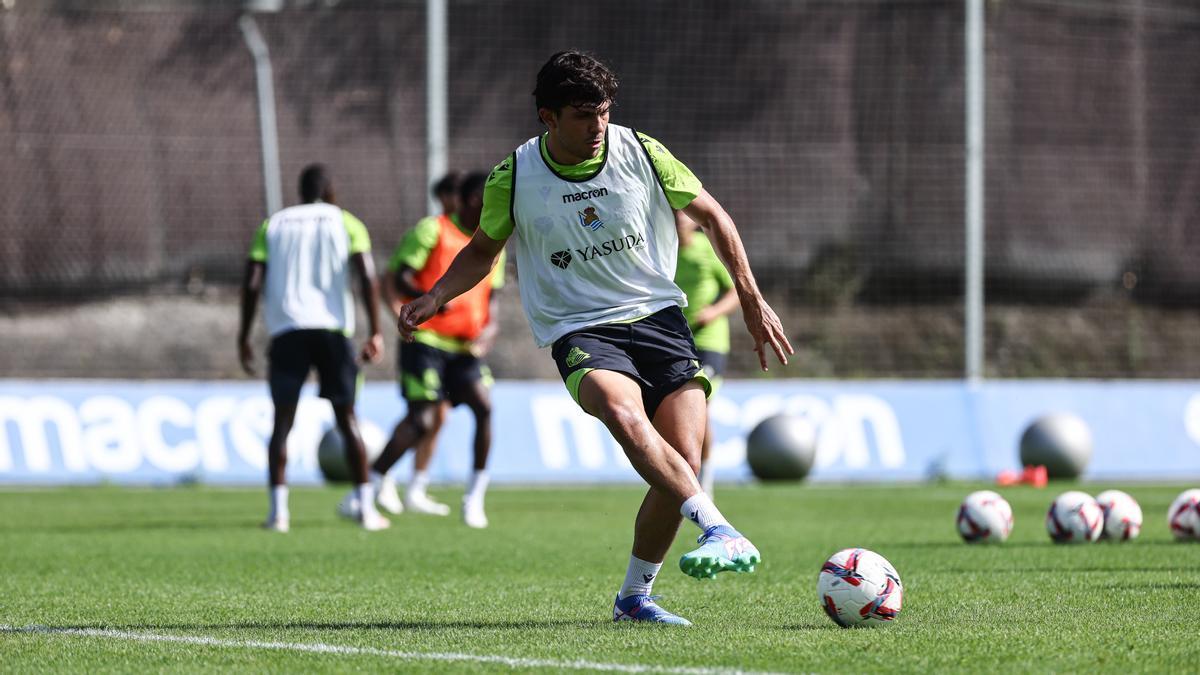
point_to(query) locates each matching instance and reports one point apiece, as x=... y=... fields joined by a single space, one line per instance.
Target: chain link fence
x=831 y=130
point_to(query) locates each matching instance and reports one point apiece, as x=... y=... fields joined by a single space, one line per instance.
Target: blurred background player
x=443 y=361
x=711 y=297
x=300 y=262
x=415 y=250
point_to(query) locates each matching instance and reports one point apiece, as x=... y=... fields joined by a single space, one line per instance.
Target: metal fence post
x=266 y=111
x=973 y=328
x=435 y=96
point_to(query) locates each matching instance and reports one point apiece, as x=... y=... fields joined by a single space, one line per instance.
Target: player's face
x=577 y=132
x=449 y=201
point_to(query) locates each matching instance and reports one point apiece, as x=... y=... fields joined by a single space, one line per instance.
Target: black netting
x=831 y=130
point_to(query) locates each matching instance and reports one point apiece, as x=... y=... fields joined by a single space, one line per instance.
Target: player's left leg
x=422 y=373
x=682 y=419
x=356 y=460
x=337 y=370
x=477 y=396
x=676 y=401
x=659 y=517
x=416 y=498
x=713 y=363
x=705 y=474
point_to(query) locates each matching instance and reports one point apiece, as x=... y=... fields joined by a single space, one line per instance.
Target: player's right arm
x=476 y=260
x=252 y=283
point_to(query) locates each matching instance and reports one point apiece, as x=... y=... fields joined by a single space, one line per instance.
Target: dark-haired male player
x=591 y=206
x=416 y=245
x=300 y=260
x=443 y=362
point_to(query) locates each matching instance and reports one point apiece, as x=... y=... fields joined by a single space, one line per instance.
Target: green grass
x=539 y=584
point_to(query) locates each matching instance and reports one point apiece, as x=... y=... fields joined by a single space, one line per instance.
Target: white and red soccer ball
x=984 y=516
x=1122 y=515
x=1184 y=516
x=1074 y=518
x=857 y=587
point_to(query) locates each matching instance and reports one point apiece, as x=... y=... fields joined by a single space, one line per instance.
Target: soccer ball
x=1122 y=515
x=1184 y=515
x=984 y=517
x=857 y=587
x=331 y=451
x=1074 y=518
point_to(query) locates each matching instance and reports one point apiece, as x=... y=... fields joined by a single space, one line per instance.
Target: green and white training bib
x=595 y=249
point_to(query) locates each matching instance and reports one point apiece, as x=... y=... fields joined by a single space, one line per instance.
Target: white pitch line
x=322 y=648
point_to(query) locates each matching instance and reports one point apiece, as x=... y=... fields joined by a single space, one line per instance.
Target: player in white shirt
x=300 y=262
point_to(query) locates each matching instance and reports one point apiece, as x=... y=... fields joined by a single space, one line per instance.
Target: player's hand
x=246 y=356
x=766 y=329
x=372 y=349
x=414 y=314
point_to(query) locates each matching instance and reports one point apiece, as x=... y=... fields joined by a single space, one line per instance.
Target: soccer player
x=710 y=298
x=300 y=262
x=416 y=497
x=443 y=360
x=591 y=207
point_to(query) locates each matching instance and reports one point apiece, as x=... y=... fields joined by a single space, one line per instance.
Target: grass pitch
x=182 y=579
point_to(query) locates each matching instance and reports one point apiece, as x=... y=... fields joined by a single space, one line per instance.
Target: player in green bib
x=412 y=252
x=711 y=297
x=590 y=208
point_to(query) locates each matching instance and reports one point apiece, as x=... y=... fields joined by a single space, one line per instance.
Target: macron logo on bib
x=586 y=194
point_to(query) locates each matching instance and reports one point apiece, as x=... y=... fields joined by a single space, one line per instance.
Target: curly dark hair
x=448 y=184
x=574 y=78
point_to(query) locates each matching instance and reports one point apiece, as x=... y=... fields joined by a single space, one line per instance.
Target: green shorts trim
x=574 y=380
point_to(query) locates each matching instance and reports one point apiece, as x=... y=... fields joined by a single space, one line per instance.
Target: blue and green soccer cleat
x=643 y=608
x=722 y=549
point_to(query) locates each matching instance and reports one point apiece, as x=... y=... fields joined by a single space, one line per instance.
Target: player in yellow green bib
x=711 y=297
x=590 y=209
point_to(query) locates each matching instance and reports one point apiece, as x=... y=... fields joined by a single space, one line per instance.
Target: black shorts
x=657 y=352
x=713 y=363
x=431 y=374
x=295 y=353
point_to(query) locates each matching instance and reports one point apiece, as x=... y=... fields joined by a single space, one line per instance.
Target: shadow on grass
x=233 y=524
x=416 y=625
x=960 y=545
x=134 y=526
x=1152 y=586
x=1061 y=570
x=810 y=626
x=1018 y=544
